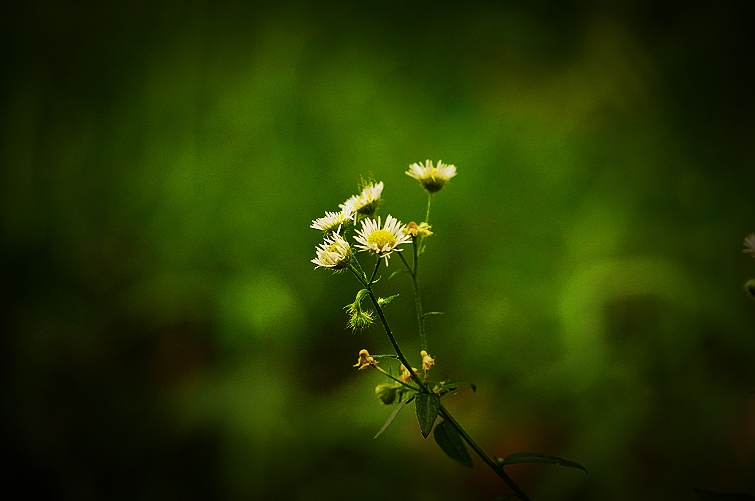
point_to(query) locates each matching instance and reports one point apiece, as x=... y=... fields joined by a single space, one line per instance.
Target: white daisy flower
x=432 y=178
x=366 y=202
x=331 y=222
x=381 y=240
x=333 y=253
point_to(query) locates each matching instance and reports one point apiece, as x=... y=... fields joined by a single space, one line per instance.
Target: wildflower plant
x=405 y=383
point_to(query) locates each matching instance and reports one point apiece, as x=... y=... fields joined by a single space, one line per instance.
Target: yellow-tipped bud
x=406 y=376
x=365 y=360
x=427 y=360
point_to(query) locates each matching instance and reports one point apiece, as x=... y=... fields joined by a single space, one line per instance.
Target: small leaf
x=723 y=496
x=391 y=417
x=448 y=438
x=443 y=387
x=385 y=356
x=535 y=457
x=427 y=314
x=382 y=301
x=396 y=273
x=427 y=406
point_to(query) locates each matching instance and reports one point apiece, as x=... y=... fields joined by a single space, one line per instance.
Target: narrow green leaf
x=385 y=356
x=396 y=273
x=427 y=406
x=427 y=314
x=382 y=301
x=391 y=417
x=723 y=496
x=444 y=387
x=535 y=457
x=448 y=438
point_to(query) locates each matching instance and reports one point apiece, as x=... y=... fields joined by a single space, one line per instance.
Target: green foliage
x=430 y=313
x=427 y=406
x=382 y=301
x=448 y=438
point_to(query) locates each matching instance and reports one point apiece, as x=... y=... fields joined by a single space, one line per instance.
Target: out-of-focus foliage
x=165 y=335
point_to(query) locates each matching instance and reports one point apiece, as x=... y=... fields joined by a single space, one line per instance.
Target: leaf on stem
x=427 y=314
x=448 y=438
x=535 y=457
x=396 y=273
x=427 y=406
x=382 y=301
x=444 y=387
x=723 y=496
x=391 y=417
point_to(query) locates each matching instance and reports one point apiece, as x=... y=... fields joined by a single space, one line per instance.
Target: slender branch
x=497 y=468
x=395 y=378
x=403 y=260
x=374 y=272
x=356 y=268
x=418 y=299
x=427 y=213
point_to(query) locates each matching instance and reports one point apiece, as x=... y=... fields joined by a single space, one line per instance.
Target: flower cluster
x=373 y=235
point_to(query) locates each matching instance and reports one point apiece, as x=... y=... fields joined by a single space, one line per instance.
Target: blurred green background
x=165 y=335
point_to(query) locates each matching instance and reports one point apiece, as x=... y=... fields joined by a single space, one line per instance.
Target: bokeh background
x=164 y=334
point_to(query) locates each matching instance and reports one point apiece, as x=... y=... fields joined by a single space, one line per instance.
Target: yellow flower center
x=381 y=238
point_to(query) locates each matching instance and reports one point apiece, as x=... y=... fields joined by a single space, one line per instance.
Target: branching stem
x=423 y=388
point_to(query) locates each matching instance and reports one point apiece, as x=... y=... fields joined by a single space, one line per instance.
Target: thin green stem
x=417 y=298
x=427 y=212
x=497 y=468
x=403 y=260
x=374 y=272
x=356 y=268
